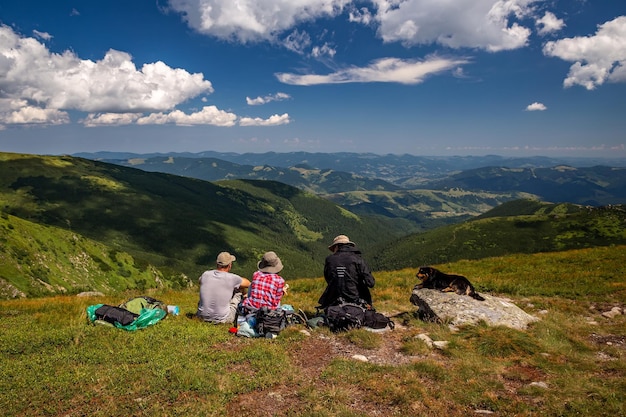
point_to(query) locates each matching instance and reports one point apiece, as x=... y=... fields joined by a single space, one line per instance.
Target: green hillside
x=37 y=260
x=178 y=224
x=523 y=226
x=424 y=209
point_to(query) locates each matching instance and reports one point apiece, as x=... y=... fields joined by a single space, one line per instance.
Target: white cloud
x=42 y=35
x=459 y=73
x=51 y=82
x=482 y=24
x=264 y=100
x=19 y=112
x=320 y=51
x=597 y=59
x=110 y=119
x=252 y=20
x=297 y=41
x=493 y=25
x=549 y=23
x=209 y=115
x=391 y=70
x=362 y=15
x=536 y=107
x=274 y=120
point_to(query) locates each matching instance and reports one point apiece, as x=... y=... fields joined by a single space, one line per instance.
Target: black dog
x=437 y=280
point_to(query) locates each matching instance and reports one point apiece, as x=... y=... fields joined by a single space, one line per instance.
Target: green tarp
x=147 y=317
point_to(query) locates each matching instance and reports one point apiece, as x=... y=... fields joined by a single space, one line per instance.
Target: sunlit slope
x=522 y=226
x=179 y=224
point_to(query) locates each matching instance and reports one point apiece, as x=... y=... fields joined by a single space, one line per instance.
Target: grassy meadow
x=572 y=362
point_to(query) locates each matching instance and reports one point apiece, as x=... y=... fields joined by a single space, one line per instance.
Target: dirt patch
x=389 y=353
x=312 y=356
x=618 y=341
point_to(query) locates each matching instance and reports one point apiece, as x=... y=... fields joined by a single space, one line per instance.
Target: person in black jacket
x=348 y=277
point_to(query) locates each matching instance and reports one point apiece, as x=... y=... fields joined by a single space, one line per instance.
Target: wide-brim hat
x=270 y=263
x=341 y=240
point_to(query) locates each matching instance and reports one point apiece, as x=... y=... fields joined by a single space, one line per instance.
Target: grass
x=570 y=363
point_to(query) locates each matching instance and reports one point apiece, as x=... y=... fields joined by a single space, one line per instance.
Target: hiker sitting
x=347 y=275
x=221 y=291
x=267 y=287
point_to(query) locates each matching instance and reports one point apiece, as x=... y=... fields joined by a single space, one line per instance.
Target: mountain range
x=69 y=224
x=340 y=175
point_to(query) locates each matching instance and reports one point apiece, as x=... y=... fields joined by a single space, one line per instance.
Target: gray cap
x=225 y=259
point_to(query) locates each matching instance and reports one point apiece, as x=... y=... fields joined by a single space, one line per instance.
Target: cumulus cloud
x=493 y=25
x=549 y=23
x=264 y=100
x=482 y=24
x=536 y=106
x=597 y=59
x=274 y=120
x=53 y=83
x=387 y=70
x=209 y=115
x=110 y=119
x=16 y=111
x=250 y=21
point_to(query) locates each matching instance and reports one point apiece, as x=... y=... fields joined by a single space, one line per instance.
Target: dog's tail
x=476 y=296
x=472 y=293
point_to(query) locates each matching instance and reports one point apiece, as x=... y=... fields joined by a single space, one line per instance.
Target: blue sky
x=424 y=77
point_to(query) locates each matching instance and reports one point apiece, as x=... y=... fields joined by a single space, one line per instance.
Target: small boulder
x=437 y=306
x=615 y=311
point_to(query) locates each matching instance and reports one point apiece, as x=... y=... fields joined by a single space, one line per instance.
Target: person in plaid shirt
x=267 y=287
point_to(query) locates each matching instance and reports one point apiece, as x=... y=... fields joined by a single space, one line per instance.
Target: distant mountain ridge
x=397 y=169
x=319 y=181
x=595 y=186
x=70 y=224
x=582 y=181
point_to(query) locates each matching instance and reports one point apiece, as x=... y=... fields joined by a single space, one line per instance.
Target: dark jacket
x=347 y=276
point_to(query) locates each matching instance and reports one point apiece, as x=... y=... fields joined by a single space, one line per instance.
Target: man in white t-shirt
x=221 y=291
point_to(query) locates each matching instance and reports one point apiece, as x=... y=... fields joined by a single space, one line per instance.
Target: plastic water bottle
x=173 y=310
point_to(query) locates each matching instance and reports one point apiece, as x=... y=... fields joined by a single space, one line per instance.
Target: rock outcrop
x=457 y=310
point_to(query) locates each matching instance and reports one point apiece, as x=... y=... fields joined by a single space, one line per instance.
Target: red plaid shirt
x=265 y=290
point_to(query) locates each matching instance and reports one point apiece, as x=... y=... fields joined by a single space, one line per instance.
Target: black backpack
x=344 y=316
x=271 y=321
x=113 y=314
x=376 y=320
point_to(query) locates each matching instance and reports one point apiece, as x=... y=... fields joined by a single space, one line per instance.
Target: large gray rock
x=448 y=307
